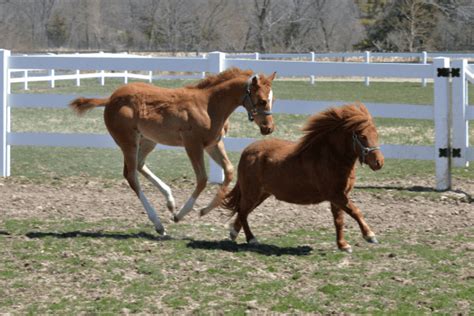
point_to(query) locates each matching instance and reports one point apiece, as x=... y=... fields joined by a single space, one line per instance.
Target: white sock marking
x=186 y=208
x=270 y=98
x=150 y=211
x=163 y=187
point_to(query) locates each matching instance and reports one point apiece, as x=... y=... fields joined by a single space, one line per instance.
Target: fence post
x=216 y=65
x=459 y=123
x=441 y=122
x=25 y=78
x=4 y=114
x=52 y=82
x=313 y=58
x=102 y=73
x=424 y=61
x=78 y=76
x=367 y=61
x=203 y=74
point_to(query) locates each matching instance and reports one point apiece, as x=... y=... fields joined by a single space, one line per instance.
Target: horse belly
x=289 y=189
x=161 y=134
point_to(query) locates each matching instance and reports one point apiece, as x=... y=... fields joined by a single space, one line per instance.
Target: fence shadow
x=416 y=188
x=118 y=236
x=263 y=249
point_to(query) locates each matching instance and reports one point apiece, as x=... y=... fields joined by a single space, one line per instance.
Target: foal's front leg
x=195 y=152
x=218 y=154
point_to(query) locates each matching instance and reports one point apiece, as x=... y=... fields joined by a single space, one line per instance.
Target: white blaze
x=270 y=99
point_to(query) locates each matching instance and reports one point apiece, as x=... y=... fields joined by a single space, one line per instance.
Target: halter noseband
x=364 y=151
x=253 y=110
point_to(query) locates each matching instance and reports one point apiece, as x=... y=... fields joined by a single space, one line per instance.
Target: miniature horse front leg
x=195 y=152
x=218 y=154
x=338 y=215
x=349 y=207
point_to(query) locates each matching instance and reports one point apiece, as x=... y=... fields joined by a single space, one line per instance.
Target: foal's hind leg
x=219 y=155
x=146 y=147
x=130 y=153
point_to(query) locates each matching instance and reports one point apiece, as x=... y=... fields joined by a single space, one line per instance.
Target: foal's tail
x=82 y=105
x=232 y=200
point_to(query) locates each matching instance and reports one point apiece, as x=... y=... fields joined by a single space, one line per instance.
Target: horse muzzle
x=266 y=130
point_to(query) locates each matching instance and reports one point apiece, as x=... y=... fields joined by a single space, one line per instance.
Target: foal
x=139 y=115
x=319 y=167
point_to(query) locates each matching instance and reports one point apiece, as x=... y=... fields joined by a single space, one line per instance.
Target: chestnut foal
x=139 y=115
x=319 y=167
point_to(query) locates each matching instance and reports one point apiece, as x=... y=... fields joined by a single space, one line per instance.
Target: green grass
x=82 y=273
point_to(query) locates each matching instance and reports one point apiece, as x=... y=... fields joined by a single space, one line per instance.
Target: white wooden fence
x=442 y=152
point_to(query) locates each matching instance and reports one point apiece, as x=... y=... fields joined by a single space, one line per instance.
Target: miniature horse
x=139 y=115
x=319 y=167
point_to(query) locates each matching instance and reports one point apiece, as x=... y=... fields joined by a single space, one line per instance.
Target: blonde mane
x=351 y=117
x=212 y=80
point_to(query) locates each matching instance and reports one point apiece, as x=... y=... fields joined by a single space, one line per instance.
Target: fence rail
x=216 y=62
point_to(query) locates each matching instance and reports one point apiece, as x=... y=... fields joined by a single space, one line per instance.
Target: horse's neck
x=226 y=97
x=336 y=150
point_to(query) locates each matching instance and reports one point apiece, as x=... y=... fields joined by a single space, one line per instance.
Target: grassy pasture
x=75 y=240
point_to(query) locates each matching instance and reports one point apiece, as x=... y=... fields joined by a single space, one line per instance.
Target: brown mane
x=212 y=80
x=352 y=118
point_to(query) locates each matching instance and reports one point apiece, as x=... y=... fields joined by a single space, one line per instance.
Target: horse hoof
x=347 y=249
x=253 y=241
x=371 y=239
x=171 y=207
x=233 y=234
x=160 y=230
x=176 y=218
x=203 y=212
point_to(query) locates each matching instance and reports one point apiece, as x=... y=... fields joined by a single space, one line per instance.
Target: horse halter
x=253 y=109
x=364 y=151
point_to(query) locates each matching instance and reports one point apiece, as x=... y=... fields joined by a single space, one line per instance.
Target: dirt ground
x=407 y=205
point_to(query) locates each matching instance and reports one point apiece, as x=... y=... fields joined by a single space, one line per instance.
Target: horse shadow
x=263 y=249
x=223 y=245
x=117 y=236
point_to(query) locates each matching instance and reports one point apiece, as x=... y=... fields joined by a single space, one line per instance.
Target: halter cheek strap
x=364 y=151
x=253 y=110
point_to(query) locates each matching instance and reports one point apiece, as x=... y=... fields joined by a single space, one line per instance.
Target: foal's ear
x=272 y=76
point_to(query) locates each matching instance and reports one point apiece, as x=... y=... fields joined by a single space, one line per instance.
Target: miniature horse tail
x=232 y=200
x=82 y=105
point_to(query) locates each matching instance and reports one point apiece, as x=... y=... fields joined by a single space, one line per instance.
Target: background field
x=75 y=239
